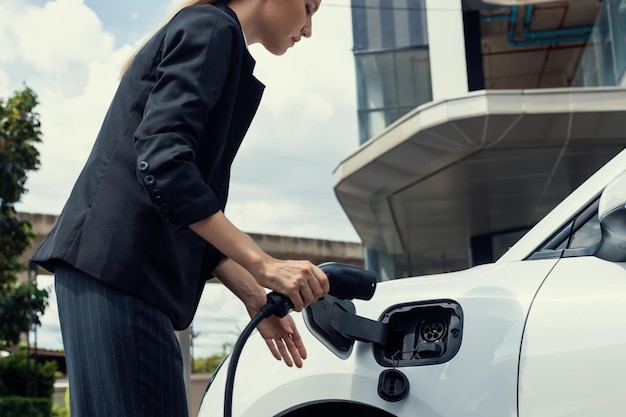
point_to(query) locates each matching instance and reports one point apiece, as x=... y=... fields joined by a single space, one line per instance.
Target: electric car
x=540 y=332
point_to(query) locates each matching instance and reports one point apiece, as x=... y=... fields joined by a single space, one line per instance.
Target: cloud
x=4 y=80
x=59 y=34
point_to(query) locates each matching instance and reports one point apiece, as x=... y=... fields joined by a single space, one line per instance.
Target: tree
x=21 y=303
x=209 y=364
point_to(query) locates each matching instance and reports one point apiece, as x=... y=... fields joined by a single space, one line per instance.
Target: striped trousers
x=123 y=358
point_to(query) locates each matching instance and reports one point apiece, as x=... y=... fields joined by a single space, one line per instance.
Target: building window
x=390 y=84
x=603 y=62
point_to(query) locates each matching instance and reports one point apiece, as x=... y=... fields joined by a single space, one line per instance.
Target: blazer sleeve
x=191 y=70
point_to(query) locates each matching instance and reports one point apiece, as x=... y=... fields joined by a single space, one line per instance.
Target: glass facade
x=391 y=266
x=391 y=59
x=603 y=62
x=390 y=84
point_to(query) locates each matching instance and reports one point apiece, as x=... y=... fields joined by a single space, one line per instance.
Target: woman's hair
x=182 y=5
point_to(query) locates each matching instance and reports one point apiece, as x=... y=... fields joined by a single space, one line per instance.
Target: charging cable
x=277 y=304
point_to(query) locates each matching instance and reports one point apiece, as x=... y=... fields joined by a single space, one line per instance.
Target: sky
x=70 y=53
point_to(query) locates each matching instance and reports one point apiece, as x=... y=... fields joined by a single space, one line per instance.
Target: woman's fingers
x=283 y=340
x=313 y=284
x=297 y=348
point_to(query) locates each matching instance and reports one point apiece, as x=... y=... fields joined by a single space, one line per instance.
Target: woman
x=144 y=226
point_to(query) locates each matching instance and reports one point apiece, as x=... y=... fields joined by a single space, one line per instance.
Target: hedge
x=25 y=407
x=18 y=377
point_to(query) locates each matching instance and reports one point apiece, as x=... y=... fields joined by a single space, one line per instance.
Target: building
x=476 y=118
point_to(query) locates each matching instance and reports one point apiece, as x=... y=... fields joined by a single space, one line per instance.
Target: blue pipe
x=528 y=34
x=538 y=37
x=496 y=18
x=542 y=37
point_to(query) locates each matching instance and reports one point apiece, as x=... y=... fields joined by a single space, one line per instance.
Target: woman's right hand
x=301 y=281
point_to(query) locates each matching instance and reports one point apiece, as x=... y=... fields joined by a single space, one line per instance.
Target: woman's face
x=286 y=22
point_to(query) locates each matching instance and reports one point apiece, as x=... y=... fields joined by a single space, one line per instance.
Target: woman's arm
x=301 y=281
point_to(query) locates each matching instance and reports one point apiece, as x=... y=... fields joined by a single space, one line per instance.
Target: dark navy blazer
x=161 y=162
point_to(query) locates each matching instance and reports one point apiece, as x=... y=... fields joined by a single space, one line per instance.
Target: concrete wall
x=197 y=387
x=282 y=247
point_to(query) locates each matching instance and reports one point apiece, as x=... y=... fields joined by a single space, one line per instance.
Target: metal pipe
x=538 y=37
x=536 y=40
x=538 y=49
x=495 y=18
x=553 y=33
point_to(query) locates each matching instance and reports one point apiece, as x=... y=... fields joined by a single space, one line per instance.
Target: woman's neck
x=248 y=12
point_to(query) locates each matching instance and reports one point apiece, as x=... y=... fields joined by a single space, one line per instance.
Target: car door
x=573 y=352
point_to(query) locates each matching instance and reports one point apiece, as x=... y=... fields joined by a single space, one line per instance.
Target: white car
x=540 y=332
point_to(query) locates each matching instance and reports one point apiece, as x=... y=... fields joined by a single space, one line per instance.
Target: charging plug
x=277 y=304
x=346 y=282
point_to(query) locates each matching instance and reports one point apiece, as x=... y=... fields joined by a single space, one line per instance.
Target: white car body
x=543 y=334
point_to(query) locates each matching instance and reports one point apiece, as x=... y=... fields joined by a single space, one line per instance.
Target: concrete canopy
x=487 y=162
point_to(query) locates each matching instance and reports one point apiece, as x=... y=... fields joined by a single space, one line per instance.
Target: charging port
x=423 y=333
x=433 y=330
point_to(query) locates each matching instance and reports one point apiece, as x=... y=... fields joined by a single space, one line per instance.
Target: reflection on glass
x=390 y=84
x=603 y=62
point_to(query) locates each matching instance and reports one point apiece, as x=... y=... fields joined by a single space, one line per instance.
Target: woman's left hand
x=283 y=339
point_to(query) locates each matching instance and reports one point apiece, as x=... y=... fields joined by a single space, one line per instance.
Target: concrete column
x=184 y=339
x=446 y=48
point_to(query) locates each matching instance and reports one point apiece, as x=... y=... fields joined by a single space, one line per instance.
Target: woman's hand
x=280 y=334
x=301 y=281
x=283 y=339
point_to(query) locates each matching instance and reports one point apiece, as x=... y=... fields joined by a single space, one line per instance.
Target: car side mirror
x=612 y=217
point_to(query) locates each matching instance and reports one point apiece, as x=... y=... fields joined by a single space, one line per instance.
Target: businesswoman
x=144 y=226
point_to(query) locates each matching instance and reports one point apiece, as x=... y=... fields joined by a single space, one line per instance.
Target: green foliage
x=22 y=304
x=19 y=131
x=17 y=376
x=208 y=365
x=15 y=237
x=25 y=407
x=63 y=411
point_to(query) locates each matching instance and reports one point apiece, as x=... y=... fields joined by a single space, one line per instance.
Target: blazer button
x=143 y=166
x=157 y=194
x=165 y=207
x=149 y=179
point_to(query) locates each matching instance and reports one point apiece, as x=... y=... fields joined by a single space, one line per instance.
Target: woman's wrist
x=254 y=303
x=252 y=257
x=241 y=283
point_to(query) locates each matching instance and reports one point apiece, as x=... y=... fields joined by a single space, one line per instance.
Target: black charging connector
x=277 y=305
